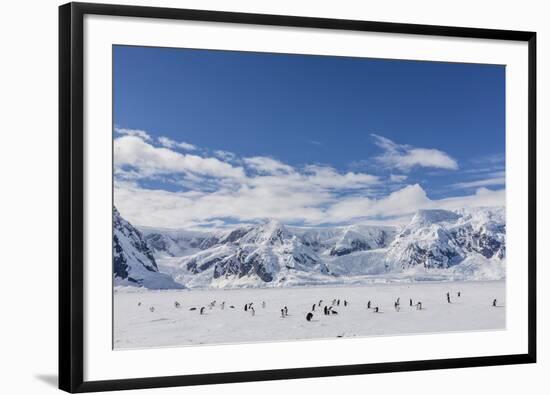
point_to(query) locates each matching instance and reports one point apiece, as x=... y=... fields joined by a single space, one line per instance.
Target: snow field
x=136 y=326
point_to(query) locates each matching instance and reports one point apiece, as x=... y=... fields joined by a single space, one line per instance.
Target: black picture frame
x=71 y=196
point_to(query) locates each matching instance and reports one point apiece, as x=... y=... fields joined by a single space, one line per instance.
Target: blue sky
x=237 y=121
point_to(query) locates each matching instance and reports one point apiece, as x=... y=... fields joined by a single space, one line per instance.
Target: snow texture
x=437 y=245
x=148 y=318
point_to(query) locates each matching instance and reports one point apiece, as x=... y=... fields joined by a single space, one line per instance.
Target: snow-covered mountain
x=441 y=239
x=466 y=244
x=133 y=261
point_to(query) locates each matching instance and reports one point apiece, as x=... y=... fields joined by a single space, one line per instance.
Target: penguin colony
x=317 y=308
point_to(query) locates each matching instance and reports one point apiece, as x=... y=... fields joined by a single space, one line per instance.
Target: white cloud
x=225 y=155
x=328 y=177
x=266 y=165
x=148 y=160
x=405 y=157
x=262 y=188
x=275 y=200
x=134 y=132
x=397 y=177
x=495 y=181
x=169 y=143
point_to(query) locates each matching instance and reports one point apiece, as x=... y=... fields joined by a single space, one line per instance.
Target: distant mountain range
x=466 y=244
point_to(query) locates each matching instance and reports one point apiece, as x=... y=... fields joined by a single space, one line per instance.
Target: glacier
x=436 y=245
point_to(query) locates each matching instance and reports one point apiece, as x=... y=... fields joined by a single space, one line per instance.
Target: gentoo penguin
x=309 y=316
x=202 y=310
x=494 y=303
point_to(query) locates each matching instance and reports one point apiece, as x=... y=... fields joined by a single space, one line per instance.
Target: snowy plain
x=136 y=326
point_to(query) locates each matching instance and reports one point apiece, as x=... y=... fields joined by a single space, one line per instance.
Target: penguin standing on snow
x=177 y=304
x=410 y=302
x=326 y=310
x=345 y=303
x=396 y=306
x=246 y=307
x=313 y=307
x=368 y=304
x=376 y=310
x=202 y=310
x=282 y=313
x=494 y=303
x=222 y=306
x=139 y=303
x=152 y=309
x=321 y=301
x=309 y=316
x=448 y=298
x=286 y=311
x=338 y=302
x=458 y=294
x=419 y=306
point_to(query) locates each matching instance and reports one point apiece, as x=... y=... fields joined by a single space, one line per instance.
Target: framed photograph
x=250 y=197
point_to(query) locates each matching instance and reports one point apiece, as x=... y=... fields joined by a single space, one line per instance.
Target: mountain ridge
x=465 y=243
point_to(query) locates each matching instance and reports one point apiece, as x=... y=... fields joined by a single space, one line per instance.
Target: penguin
x=368 y=305
x=286 y=310
x=245 y=307
x=202 y=310
x=419 y=306
x=231 y=307
x=282 y=313
x=152 y=309
x=222 y=306
x=313 y=307
x=338 y=302
x=376 y=310
x=333 y=312
x=494 y=303
x=321 y=301
x=192 y=309
x=458 y=294
x=396 y=306
x=345 y=303
x=326 y=310
x=448 y=298
x=139 y=303
x=410 y=302
x=309 y=316
x=177 y=305
x=263 y=304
